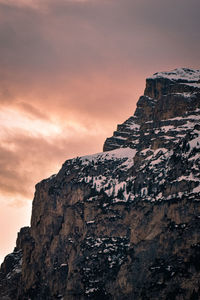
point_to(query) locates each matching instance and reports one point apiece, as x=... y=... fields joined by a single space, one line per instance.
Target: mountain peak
x=180 y=81
x=170 y=98
x=179 y=74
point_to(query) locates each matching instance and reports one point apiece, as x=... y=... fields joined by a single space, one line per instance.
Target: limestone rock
x=171 y=100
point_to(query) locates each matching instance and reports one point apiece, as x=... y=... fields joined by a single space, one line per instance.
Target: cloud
x=32 y=111
x=19 y=3
x=99 y=35
x=26 y=159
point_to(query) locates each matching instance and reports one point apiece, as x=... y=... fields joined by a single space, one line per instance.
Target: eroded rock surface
x=124 y=223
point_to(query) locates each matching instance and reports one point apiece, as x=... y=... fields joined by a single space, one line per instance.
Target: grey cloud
x=34 y=158
x=74 y=36
x=32 y=111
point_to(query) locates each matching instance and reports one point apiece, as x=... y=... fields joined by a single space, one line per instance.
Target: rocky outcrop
x=124 y=223
x=170 y=102
x=11 y=268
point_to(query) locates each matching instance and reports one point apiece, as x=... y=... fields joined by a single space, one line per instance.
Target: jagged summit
x=180 y=74
x=170 y=99
x=123 y=223
x=178 y=81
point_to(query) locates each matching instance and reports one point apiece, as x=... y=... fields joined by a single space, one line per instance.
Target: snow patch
x=109 y=155
x=179 y=74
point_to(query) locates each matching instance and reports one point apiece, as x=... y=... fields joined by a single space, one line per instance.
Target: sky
x=70 y=71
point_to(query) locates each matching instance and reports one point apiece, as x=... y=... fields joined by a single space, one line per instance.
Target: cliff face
x=170 y=99
x=124 y=223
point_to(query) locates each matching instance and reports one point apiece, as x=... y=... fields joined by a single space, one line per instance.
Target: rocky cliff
x=124 y=223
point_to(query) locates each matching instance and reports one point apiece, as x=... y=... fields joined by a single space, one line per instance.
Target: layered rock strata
x=124 y=223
